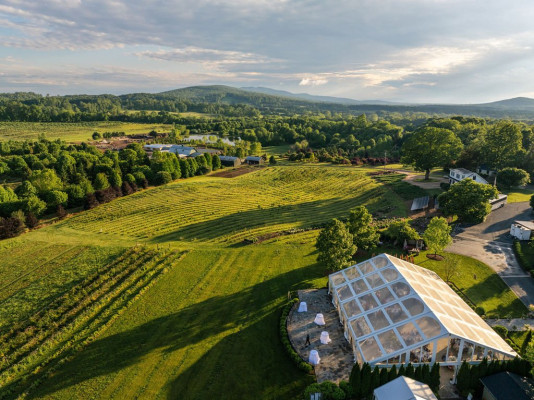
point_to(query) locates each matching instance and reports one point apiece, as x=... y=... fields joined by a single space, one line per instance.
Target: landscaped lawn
x=479 y=283
x=518 y=195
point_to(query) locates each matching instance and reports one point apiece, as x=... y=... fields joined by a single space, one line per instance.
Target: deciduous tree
x=360 y=224
x=431 y=147
x=437 y=234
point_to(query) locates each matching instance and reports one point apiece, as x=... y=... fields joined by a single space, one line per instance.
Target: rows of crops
x=207 y=330
x=81 y=131
x=33 y=273
x=34 y=348
x=229 y=210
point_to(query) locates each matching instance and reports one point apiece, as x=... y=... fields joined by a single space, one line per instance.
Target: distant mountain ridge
x=313 y=98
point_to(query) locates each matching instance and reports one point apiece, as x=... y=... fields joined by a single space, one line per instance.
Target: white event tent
x=395 y=312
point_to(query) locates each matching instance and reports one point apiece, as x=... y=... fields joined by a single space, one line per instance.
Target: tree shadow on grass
x=318 y=211
x=490 y=289
x=250 y=314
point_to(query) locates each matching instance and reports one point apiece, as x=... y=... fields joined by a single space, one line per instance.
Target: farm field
x=227 y=211
x=155 y=295
x=72 y=132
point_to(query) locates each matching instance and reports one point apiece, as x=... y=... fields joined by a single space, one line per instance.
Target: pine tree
x=410 y=371
x=355 y=381
x=418 y=373
x=393 y=374
x=366 y=380
x=435 y=378
x=425 y=374
x=463 y=379
x=375 y=379
x=402 y=371
x=383 y=376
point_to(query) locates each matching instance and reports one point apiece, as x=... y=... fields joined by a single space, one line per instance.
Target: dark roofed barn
x=253 y=160
x=229 y=161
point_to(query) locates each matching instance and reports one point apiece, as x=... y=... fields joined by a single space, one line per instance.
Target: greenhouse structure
x=395 y=312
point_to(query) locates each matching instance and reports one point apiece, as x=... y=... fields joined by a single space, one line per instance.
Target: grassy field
x=72 y=132
x=155 y=295
x=227 y=211
x=518 y=195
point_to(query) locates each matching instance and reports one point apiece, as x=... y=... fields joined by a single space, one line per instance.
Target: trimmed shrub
x=293 y=355
x=501 y=330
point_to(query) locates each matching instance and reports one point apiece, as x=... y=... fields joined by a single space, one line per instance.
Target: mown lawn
x=208 y=330
x=518 y=195
x=479 y=283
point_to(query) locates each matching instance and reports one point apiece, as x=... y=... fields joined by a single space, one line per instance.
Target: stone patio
x=336 y=357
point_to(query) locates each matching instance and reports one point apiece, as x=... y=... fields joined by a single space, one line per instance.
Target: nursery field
x=72 y=132
x=227 y=211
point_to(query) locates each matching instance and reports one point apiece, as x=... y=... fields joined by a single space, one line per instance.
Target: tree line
x=49 y=176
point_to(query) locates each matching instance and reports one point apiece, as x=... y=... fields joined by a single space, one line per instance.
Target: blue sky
x=404 y=50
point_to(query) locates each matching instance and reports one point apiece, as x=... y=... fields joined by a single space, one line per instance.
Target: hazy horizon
x=411 y=51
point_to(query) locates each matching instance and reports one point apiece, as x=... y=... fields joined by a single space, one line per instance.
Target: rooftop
x=393 y=306
x=526 y=224
x=506 y=385
x=462 y=171
x=404 y=388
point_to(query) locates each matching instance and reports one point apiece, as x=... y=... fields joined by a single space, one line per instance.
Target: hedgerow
x=284 y=337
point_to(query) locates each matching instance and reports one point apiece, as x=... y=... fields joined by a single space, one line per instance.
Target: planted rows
x=269 y=200
x=34 y=348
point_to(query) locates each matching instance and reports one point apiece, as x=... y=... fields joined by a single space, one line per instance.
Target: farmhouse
x=395 y=312
x=229 y=161
x=253 y=160
x=522 y=230
x=404 y=388
x=485 y=170
x=458 y=174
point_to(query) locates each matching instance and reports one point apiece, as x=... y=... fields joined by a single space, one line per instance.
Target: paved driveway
x=491 y=243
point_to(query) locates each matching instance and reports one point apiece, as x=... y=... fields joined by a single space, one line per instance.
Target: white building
x=459 y=174
x=522 y=230
x=395 y=312
x=404 y=388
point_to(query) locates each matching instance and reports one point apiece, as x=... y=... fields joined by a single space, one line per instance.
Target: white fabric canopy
x=325 y=337
x=319 y=319
x=314 y=357
x=303 y=307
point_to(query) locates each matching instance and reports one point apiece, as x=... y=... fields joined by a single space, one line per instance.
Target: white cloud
x=313 y=81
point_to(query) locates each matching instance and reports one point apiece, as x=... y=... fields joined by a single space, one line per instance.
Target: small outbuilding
x=253 y=160
x=522 y=230
x=404 y=388
x=506 y=386
x=229 y=161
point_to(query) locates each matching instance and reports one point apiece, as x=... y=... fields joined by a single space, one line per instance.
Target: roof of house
x=228 y=158
x=211 y=151
x=253 y=158
x=404 y=388
x=462 y=171
x=393 y=306
x=526 y=224
x=506 y=385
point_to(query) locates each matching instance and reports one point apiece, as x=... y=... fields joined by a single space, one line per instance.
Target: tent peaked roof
x=404 y=388
x=393 y=306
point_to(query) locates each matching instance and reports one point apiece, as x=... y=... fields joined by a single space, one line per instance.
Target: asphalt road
x=490 y=242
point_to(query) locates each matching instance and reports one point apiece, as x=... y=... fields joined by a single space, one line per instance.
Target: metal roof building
x=404 y=388
x=395 y=312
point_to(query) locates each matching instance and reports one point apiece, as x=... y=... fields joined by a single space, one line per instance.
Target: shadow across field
x=250 y=317
x=301 y=214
